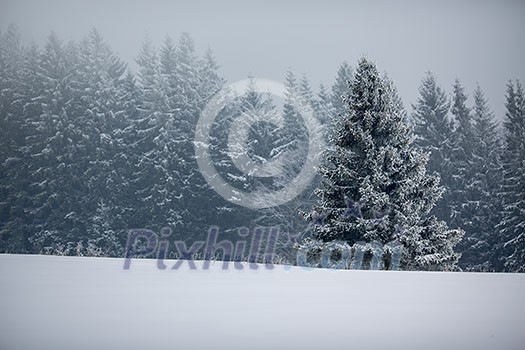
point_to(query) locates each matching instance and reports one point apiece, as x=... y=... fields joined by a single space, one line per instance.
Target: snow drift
x=50 y=302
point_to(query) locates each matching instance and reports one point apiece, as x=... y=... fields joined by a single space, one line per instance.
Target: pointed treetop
x=341 y=87
x=459 y=106
x=367 y=88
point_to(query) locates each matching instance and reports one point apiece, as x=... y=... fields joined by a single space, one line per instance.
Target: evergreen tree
x=168 y=64
x=210 y=81
x=299 y=102
x=125 y=149
x=374 y=181
x=434 y=129
x=52 y=152
x=462 y=206
x=323 y=108
x=340 y=88
x=99 y=81
x=295 y=135
x=197 y=81
x=253 y=157
x=156 y=177
x=513 y=192
x=480 y=244
x=13 y=97
x=397 y=102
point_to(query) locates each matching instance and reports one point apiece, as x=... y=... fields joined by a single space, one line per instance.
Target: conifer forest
x=93 y=146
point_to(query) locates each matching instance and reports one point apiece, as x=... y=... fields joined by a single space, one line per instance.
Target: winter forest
x=91 y=148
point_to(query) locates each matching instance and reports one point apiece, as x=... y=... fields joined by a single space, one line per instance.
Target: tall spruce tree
x=293 y=144
x=54 y=149
x=513 y=192
x=295 y=135
x=228 y=155
x=340 y=88
x=397 y=102
x=197 y=80
x=481 y=242
x=433 y=129
x=13 y=97
x=126 y=149
x=157 y=179
x=460 y=202
x=323 y=107
x=374 y=181
x=100 y=74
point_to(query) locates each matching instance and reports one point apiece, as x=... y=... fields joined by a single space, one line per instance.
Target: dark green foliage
x=513 y=189
x=434 y=131
x=89 y=149
x=481 y=176
x=374 y=181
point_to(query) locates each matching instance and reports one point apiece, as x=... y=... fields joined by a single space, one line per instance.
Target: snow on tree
x=124 y=139
x=323 y=108
x=105 y=235
x=157 y=179
x=462 y=206
x=513 y=191
x=101 y=120
x=197 y=81
x=434 y=129
x=13 y=181
x=374 y=169
x=397 y=102
x=340 y=88
x=295 y=135
x=481 y=242
x=293 y=144
x=53 y=150
x=210 y=81
x=260 y=159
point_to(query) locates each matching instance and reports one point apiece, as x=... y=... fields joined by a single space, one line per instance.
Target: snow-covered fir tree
x=13 y=181
x=295 y=135
x=340 y=88
x=197 y=81
x=323 y=108
x=54 y=151
x=210 y=80
x=481 y=243
x=126 y=148
x=433 y=129
x=99 y=75
x=397 y=102
x=260 y=159
x=157 y=179
x=513 y=192
x=462 y=206
x=294 y=141
x=375 y=186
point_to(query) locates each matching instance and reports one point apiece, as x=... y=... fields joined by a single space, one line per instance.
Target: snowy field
x=49 y=302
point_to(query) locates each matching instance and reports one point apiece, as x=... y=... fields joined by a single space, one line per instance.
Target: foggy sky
x=476 y=41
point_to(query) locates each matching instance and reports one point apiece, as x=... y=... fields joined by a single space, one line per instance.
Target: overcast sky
x=476 y=41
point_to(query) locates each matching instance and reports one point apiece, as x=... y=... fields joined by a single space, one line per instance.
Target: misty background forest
x=90 y=148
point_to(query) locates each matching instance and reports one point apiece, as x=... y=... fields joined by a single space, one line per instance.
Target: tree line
x=90 y=149
x=481 y=163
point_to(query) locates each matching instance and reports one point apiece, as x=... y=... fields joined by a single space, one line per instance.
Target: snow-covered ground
x=49 y=302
